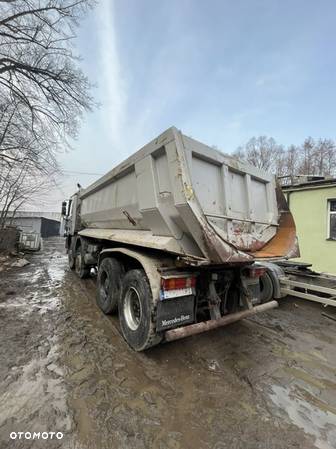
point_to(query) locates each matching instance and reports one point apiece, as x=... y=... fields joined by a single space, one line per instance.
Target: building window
x=332 y=219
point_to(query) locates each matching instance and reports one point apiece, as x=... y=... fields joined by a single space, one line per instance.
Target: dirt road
x=267 y=382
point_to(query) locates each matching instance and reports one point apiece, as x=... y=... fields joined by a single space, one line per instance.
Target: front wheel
x=69 y=243
x=71 y=259
x=136 y=309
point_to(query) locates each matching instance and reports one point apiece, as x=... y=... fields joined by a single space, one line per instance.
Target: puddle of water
x=307 y=412
x=32 y=276
x=313 y=381
x=56 y=270
x=54 y=267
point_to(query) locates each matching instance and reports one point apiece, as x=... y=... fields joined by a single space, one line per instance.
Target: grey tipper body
x=182 y=205
x=175 y=191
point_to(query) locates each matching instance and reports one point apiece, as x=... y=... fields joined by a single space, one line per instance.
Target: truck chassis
x=159 y=298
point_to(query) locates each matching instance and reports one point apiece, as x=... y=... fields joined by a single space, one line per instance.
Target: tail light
x=177 y=283
x=174 y=287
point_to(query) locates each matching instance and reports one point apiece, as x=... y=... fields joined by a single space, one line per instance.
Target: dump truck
x=182 y=238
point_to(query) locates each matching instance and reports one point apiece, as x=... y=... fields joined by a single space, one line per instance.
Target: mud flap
x=175 y=312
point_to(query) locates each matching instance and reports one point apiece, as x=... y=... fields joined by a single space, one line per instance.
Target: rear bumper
x=204 y=326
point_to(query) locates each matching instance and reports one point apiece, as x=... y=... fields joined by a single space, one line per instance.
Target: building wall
x=41 y=225
x=49 y=228
x=310 y=211
x=27 y=224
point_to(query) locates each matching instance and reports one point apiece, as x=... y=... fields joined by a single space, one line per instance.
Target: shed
x=46 y=226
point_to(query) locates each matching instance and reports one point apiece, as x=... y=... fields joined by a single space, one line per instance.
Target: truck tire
x=109 y=281
x=82 y=270
x=136 y=311
x=266 y=288
x=71 y=259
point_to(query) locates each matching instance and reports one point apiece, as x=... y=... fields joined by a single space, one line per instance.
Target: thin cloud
x=111 y=83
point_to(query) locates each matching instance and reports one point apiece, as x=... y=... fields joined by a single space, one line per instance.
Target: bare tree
x=324 y=157
x=19 y=185
x=292 y=161
x=313 y=157
x=19 y=144
x=43 y=93
x=260 y=152
x=307 y=151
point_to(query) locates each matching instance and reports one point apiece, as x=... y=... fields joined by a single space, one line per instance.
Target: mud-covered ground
x=267 y=382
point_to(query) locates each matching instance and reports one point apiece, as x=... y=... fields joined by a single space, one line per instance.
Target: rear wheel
x=266 y=288
x=110 y=275
x=136 y=310
x=82 y=270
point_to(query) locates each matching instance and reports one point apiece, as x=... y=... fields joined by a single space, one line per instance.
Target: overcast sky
x=221 y=71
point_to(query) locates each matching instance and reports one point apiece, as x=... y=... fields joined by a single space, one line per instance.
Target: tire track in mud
x=32 y=389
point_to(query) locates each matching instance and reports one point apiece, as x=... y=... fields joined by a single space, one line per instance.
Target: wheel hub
x=132 y=309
